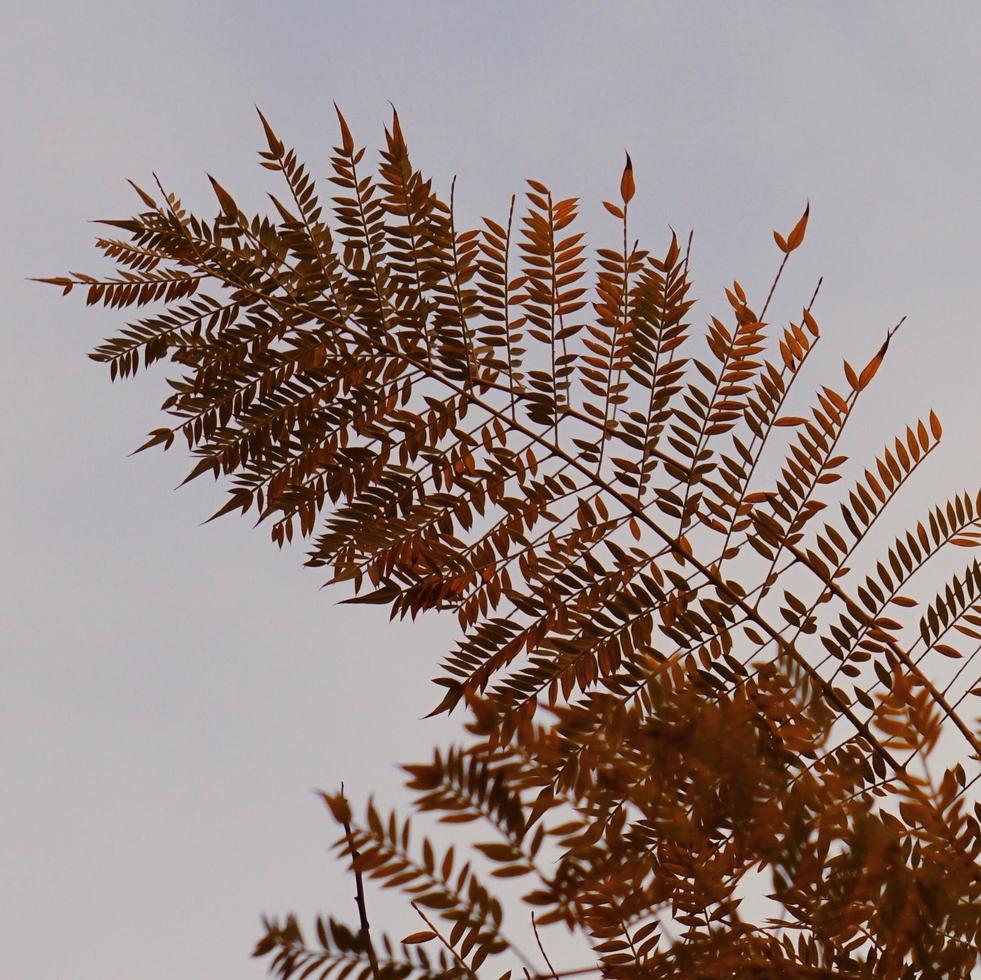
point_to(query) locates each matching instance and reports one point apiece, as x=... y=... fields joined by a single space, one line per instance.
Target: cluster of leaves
x=677 y=680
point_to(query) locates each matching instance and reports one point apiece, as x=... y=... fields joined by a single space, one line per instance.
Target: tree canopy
x=698 y=658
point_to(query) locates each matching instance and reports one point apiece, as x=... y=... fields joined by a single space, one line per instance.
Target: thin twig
x=422 y=915
x=359 y=898
x=773 y=287
x=538 y=939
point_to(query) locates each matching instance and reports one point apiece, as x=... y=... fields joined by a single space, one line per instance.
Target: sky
x=171 y=695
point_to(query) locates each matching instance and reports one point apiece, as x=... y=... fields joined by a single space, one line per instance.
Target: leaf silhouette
x=694 y=654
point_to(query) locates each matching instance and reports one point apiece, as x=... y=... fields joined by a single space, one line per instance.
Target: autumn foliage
x=697 y=657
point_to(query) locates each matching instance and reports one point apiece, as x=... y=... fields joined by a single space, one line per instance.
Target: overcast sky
x=170 y=695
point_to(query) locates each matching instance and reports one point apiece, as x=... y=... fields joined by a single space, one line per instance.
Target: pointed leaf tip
x=387 y=593
x=347 y=140
x=796 y=237
x=627 y=185
x=275 y=144
x=144 y=197
x=63 y=282
x=225 y=199
x=870 y=369
x=396 y=125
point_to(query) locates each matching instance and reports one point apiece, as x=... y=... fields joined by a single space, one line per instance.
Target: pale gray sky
x=171 y=694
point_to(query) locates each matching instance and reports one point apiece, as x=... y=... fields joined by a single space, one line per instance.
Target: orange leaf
x=347 y=140
x=627 y=185
x=62 y=281
x=339 y=807
x=418 y=937
x=905 y=601
x=275 y=144
x=225 y=199
x=868 y=372
x=397 y=129
x=796 y=237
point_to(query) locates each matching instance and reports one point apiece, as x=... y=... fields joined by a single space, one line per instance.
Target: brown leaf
x=627 y=186
x=347 y=140
x=339 y=807
x=225 y=199
x=869 y=372
x=275 y=144
x=796 y=238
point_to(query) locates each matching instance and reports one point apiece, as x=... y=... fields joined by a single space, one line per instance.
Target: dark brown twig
x=538 y=939
x=425 y=918
x=359 y=898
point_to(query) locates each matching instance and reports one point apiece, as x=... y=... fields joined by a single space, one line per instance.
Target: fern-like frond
x=675 y=672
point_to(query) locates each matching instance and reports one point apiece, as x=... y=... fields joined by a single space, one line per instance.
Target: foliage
x=679 y=679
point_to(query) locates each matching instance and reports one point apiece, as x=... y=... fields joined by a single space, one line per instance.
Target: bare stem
x=425 y=918
x=359 y=899
x=538 y=939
